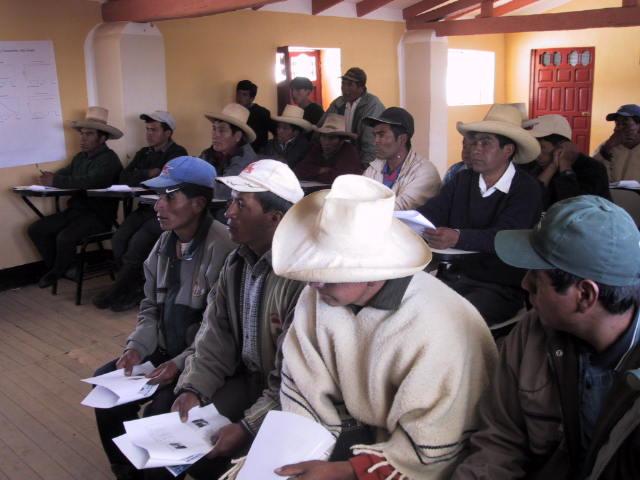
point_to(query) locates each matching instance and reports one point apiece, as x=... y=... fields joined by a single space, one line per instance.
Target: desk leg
x=33 y=207
x=127 y=206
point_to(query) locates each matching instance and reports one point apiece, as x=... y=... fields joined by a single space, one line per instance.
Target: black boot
x=127 y=279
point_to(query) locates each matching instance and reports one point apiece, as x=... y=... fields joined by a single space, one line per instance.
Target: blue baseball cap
x=182 y=170
x=629 y=110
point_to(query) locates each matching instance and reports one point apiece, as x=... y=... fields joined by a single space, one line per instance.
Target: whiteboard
x=30 y=115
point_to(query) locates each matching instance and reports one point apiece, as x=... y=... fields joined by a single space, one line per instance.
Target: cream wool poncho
x=414 y=374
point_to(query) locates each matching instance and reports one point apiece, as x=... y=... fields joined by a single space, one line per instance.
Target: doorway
x=562 y=83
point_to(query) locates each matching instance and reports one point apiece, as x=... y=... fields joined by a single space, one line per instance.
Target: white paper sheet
x=632 y=184
x=35 y=188
x=164 y=440
x=414 y=219
x=285 y=438
x=114 y=388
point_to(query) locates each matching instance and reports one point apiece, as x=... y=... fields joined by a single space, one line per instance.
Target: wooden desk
x=25 y=192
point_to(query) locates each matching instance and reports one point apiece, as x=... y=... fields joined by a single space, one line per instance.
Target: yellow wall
x=66 y=23
x=617 y=67
x=207 y=56
x=492 y=43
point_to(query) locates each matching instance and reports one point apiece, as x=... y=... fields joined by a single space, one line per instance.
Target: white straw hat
x=161 y=116
x=546 y=125
x=96 y=118
x=292 y=114
x=347 y=234
x=236 y=115
x=335 y=124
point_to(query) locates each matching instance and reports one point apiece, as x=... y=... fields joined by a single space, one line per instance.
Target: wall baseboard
x=21 y=275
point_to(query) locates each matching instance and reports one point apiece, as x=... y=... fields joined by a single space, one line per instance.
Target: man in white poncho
x=385 y=356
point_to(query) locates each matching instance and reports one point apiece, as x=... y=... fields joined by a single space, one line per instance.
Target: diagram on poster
x=30 y=114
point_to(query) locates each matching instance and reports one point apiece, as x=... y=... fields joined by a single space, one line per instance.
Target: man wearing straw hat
x=477 y=203
x=96 y=166
x=290 y=143
x=231 y=137
x=333 y=155
x=382 y=354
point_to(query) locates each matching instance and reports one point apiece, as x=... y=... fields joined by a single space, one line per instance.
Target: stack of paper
x=415 y=220
x=164 y=440
x=115 y=388
x=120 y=188
x=35 y=188
x=632 y=184
x=285 y=438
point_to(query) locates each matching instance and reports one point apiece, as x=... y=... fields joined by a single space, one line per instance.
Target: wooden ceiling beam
x=318 y=6
x=486 y=8
x=449 y=9
x=512 y=6
x=155 y=10
x=367 y=6
x=420 y=7
x=544 y=22
x=630 y=3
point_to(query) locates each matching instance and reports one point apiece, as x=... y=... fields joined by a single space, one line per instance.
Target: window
x=470 y=77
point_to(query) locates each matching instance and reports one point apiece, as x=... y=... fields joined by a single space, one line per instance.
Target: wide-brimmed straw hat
x=335 y=124
x=546 y=125
x=96 y=118
x=293 y=115
x=236 y=115
x=347 y=234
x=506 y=120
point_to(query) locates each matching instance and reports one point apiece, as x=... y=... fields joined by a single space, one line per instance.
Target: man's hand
x=163 y=374
x=128 y=360
x=565 y=156
x=46 y=179
x=229 y=440
x=318 y=470
x=185 y=402
x=441 y=238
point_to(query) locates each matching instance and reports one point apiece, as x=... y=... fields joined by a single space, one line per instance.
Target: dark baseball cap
x=587 y=236
x=630 y=110
x=301 y=83
x=185 y=169
x=393 y=116
x=355 y=74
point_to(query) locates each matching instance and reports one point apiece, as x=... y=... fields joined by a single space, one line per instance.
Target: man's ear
x=200 y=203
x=588 y=292
x=276 y=216
x=509 y=149
x=238 y=136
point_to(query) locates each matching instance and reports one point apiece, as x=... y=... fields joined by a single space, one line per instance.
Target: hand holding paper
x=415 y=220
x=116 y=388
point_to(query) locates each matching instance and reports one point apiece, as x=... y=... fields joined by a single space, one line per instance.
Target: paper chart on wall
x=30 y=114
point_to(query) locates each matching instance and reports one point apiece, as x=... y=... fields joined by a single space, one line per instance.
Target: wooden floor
x=47 y=344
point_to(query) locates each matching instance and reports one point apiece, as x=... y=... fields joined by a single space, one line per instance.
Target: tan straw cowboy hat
x=347 y=234
x=293 y=115
x=96 y=118
x=335 y=124
x=506 y=120
x=236 y=115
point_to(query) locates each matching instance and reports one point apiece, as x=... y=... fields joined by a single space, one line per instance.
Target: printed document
x=115 y=388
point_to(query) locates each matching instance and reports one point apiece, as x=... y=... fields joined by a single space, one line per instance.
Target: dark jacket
x=293 y=152
x=99 y=169
x=313 y=113
x=530 y=416
x=260 y=121
x=146 y=159
x=228 y=165
x=586 y=177
x=346 y=160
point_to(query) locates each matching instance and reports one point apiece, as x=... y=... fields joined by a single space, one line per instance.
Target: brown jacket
x=530 y=425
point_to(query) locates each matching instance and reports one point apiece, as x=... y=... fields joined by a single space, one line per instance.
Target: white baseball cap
x=160 y=116
x=266 y=176
x=546 y=125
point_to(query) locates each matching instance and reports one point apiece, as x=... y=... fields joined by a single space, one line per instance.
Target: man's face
x=387 y=145
x=156 y=135
x=351 y=90
x=244 y=98
x=341 y=294
x=300 y=95
x=90 y=139
x=248 y=223
x=546 y=153
x=486 y=155
x=556 y=310
x=176 y=211
x=628 y=129
x=330 y=144
x=223 y=139
x=285 y=132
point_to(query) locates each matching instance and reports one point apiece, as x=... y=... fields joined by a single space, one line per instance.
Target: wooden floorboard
x=47 y=345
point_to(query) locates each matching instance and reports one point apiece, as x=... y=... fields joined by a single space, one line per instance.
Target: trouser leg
x=131 y=224
x=43 y=234
x=80 y=225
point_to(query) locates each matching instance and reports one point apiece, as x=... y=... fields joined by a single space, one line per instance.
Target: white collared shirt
x=504 y=184
x=349 y=111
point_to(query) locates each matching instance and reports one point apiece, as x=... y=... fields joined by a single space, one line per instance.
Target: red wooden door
x=562 y=83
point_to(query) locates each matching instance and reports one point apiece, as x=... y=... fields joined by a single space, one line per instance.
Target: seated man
x=332 y=155
x=382 y=354
x=621 y=152
x=140 y=230
x=477 y=203
x=96 y=166
x=301 y=88
x=463 y=164
x=290 y=144
x=563 y=171
x=230 y=151
x=259 y=117
x=559 y=405
x=356 y=104
x=413 y=178
x=181 y=270
x=236 y=364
